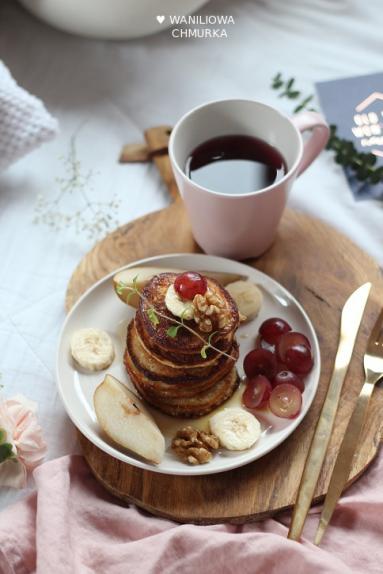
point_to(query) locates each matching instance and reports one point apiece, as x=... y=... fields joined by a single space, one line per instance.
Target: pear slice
x=123 y=281
x=126 y=420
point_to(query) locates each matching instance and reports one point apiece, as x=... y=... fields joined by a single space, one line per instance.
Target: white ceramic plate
x=100 y=307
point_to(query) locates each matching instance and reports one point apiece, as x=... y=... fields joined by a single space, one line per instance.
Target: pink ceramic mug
x=232 y=225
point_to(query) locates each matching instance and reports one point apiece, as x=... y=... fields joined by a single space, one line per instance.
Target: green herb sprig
x=154 y=314
x=173 y=329
x=360 y=165
x=289 y=91
x=208 y=345
x=153 y=317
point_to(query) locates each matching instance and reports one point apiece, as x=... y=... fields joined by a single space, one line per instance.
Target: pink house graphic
x=365 y=118
x=368 y=101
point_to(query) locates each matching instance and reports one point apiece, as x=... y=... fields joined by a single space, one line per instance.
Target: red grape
x=299 y=359
x=288 y=377
x=262 y=344
x=289 y=339
x=190 y=284
x=257 y=392
x=294 y=351
x=260 y=362
x=272 y=329
x=285 y=401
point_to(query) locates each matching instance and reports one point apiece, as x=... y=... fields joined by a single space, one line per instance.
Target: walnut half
x=194 y=446
x=209 y=308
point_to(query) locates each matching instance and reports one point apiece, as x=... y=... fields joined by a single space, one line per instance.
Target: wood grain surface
x=321 y=268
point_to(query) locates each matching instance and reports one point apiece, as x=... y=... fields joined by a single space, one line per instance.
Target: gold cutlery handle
x=351 y=317
x=317 y=452
x=344 y=459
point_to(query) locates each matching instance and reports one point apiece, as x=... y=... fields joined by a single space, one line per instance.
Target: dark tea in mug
x=235 y=164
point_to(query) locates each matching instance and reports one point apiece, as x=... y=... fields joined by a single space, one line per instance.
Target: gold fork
x=373 y=368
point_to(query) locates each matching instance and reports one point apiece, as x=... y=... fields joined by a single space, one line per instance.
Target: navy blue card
x=355 y=106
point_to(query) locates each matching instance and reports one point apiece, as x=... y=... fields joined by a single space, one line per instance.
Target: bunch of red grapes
x=275 y=370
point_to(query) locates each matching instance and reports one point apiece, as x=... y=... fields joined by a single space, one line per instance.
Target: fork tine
x=376 y=333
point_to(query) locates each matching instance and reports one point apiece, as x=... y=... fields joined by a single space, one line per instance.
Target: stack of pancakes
x=169 y=372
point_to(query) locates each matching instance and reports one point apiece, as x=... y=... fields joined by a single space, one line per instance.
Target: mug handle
x=319 y=137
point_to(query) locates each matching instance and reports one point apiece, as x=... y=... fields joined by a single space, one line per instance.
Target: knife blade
x=351 y=318
x=350 y=441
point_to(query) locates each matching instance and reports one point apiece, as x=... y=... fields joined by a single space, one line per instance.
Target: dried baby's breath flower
x=89 y=216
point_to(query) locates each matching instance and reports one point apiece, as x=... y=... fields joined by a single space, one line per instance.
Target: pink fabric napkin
x=71 y=525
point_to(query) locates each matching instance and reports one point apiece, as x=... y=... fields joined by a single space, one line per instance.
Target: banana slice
x=179 y=307
x=236 y=429
x=247 y=296
x=92 y=349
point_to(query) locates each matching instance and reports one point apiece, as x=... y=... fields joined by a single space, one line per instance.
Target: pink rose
x=18 y=420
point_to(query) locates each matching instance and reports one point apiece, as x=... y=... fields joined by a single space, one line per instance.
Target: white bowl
x=110 y=19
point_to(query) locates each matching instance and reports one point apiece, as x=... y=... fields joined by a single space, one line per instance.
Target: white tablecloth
x=110 y=92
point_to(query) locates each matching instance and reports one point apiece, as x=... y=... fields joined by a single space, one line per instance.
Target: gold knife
x=373 y=366
x=352 y=314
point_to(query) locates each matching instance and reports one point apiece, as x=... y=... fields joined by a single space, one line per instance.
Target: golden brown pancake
x=200 y=404
x=170 y=372
x=148 y=362
x=186 y=347
x=160 y=381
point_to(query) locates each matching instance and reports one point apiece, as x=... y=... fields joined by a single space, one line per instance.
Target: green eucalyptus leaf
x=277 y=84
x=361 y=165
x=290 y=83
x=371 y=159
x=277 y=81
x=203 y=351
x=6 y=451
x=361 y=174
x=298 y=109
x=374 y=178
x=3 y=436
x=303 y=104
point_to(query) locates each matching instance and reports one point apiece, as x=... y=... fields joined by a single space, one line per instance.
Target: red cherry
x=257 y=392
x=288 y=377
x=260 y=362
x=272 y=329
x=190 y=284
x=285 y=401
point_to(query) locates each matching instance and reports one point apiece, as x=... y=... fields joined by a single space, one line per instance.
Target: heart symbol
x=160 y=19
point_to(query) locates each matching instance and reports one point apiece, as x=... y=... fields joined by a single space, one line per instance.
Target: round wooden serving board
x=321 y=268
